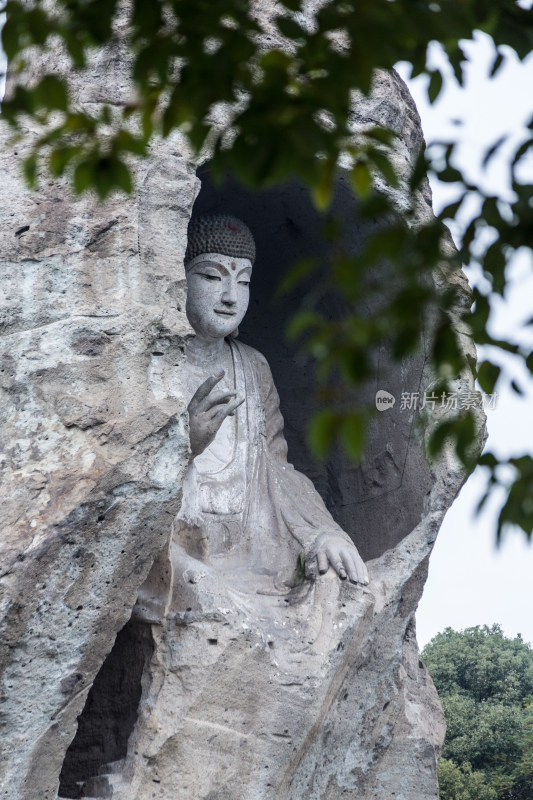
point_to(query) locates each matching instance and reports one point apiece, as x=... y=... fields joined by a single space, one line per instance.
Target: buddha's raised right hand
x=208 y=410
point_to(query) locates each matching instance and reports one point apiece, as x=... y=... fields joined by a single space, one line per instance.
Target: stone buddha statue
x=257 y=604
x=248 y=519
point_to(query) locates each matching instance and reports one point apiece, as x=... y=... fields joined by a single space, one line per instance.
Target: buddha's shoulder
x=254 y=356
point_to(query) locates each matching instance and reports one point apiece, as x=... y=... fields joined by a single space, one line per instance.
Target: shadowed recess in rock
x=380 y=500
x=107 y=720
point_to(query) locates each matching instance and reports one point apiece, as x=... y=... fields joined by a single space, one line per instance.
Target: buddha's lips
x=225 y=313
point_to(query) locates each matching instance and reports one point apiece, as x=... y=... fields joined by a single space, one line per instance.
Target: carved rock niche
x=380 y=501
x=355 y=715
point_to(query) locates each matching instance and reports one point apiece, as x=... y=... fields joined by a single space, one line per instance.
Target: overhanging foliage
x=269 y=109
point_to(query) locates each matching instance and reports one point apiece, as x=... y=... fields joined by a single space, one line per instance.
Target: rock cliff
x=94 y=446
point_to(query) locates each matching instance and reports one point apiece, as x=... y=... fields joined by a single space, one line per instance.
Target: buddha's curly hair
x=219 y=233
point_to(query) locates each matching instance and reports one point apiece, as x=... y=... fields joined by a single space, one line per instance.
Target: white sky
x=470 y=581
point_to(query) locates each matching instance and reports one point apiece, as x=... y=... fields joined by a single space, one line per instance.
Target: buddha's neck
x=205 y=351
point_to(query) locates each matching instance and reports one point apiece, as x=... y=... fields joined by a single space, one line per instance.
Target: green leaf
x=21 y=102
x=103 y=176
x=450 y=175
x=276 y=60
x=302 y=323
x=291 y=5
x=448 y=356
x=518 y=508
x=419 y=171
x=450 y=211
x=384 y=165
x=37 y=24
x=124 y=140
x=435 y=85
x=147 y=16
x=30 y=170
x=75 y=48
x=380 y=134
x=488 y=375
x=10 y=38
x=491 y=212
x=60 y=157
x=494 y=263
x=522 y=150
x=484 y=499
x=352 y=435
x=122 y=176
x=78 y=122
x=51 y=92
x=493 y=150
x=361 y=178
x=322 y=433
x=462 y=432
x=488 y=460
x=83 y=177
x=466 y=441
x=289 y=28
x=322 y=191
x=457 y=58
x=496 y=64
x=442 y=433
x=295 y=275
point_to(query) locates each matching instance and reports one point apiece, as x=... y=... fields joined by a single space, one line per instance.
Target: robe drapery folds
x=248 y=519
x=249 y=657
x=257 y=494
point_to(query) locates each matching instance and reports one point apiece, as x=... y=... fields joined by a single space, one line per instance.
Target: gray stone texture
x=93 y=440
x=94 y=445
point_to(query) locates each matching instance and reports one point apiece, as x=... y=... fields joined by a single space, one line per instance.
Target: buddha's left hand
x=335 y=551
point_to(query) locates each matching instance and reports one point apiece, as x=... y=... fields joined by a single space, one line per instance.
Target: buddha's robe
x=248 y=519
x=249 y=657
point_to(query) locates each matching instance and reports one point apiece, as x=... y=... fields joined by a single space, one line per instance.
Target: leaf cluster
x=290 y=100
x=462 y=782
x=268 y=108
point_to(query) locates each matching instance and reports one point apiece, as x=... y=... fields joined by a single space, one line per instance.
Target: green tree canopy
x=287 y=100
x=485 y=682
x=463 y=783
x=481 y=664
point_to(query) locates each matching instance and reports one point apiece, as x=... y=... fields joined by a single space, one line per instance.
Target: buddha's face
x=217 y=294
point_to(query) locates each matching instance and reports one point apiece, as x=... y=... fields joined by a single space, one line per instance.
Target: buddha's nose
x=229 y=296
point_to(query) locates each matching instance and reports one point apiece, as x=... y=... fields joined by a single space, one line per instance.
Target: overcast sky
x=470 y=581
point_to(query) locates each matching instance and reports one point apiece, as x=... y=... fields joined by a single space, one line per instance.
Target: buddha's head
x=218 y=262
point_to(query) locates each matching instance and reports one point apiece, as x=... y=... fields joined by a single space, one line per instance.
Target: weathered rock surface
x=350 y=713
x=93 y=439
x=94 y=445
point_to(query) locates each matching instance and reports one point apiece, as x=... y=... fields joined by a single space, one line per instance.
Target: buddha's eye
x=243 y=283
x=209 y=277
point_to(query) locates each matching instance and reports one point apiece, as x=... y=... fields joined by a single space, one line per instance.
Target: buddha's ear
x=234 y=334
